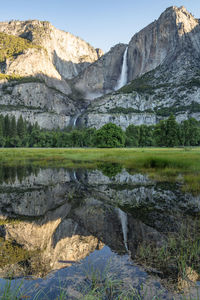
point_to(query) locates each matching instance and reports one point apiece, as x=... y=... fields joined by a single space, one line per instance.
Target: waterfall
x=75 y=70
x=74 y=176
x=124 y=223
x=124 y=72
x=75 y=227
x=74 y=120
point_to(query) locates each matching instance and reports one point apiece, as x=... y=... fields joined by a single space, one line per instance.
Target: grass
x=8 y=292
x=180 y=252
x=178 y=259
x=95 y=288
x=162 y=164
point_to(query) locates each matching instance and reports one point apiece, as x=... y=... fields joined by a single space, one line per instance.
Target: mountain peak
x=178 y=11
x=181 y=20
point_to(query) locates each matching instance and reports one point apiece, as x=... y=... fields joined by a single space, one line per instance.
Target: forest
x=167 y=133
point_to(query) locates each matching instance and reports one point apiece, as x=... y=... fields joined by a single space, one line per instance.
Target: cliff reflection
x=59 y=216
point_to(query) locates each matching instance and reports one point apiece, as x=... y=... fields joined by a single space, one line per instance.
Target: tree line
x=167 y=133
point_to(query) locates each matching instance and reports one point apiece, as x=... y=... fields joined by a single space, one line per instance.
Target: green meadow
x=162 y=164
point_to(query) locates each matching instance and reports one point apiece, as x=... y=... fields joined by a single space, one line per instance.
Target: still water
x=62 y=230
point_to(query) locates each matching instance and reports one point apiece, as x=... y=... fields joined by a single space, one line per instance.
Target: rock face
x=101 y=77
x=163 y=64
x=68 y=53
x=58 y=56
x=66 y=215
x=121 y=109
x=37 y=102
x=163 y=75
x=175 y=31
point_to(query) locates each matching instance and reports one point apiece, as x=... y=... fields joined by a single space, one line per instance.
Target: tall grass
x=7 y=292
x=178 y=259
x=160 y=164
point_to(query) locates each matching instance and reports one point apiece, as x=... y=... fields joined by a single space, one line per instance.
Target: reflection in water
x=61 y=216
x=124 y=222
x=110 y=169
x=10 y=175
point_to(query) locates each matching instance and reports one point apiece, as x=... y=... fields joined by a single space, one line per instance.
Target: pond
x=103 y=233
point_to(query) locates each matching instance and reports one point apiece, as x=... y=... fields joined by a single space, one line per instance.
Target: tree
x=89 y=137
x=171 y=132
x=6 y=126
x=110 y=136
x=146 y=137
x=20 y=128
x=1 y=125
x=1 y=129
x=14 y=142
x=160 y=133
x=193 y=132
x=77 y=138
x=13 y=127
x=132 y=135
x=2 y=139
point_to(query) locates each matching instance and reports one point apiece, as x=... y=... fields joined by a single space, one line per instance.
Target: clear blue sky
x=102 y=23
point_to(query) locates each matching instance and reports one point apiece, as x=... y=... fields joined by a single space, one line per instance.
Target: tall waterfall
x=124 y=223
x=124 y=72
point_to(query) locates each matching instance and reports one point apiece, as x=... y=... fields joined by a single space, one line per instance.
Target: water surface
x=60 y=228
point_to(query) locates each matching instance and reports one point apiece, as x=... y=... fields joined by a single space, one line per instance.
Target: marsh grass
x=173 y=259
x=105 y=285
x=18 y=292
x=8 y=292
x=161 y=164
x=95 y=287
x=109 y=289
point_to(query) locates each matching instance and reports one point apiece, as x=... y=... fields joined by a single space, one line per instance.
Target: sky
x=102 y=23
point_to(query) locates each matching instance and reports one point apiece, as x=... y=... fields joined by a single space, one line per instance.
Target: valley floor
x=161 y=164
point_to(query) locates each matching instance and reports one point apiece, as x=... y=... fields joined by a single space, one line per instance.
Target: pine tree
x=172 y=132
x=194 y=132
x=1 y=129
x=6 y=126
x=132 y=135
x=2 y=125
x=13 y=127
x=20 y=128
x=2 y=139
x=160 y=133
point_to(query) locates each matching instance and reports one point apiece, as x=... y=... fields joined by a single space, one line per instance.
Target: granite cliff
x=74 y=213
x=36 y=62
x=162 y=75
